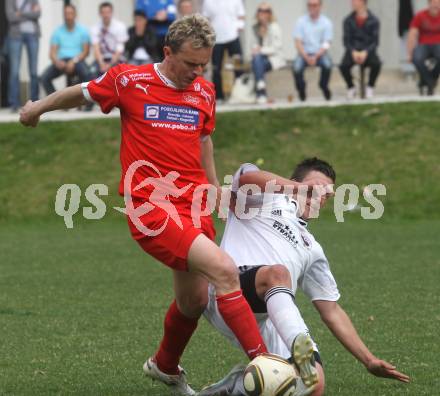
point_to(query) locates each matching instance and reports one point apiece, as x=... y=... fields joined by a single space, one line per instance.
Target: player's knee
x=193 y=305
x=271 y=276
x=320 y=388
x=278 y=275
x=226 y=276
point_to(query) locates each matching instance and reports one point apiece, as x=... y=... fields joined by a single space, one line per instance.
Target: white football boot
x=302 y=354
x=351 y=93
x=177 y=384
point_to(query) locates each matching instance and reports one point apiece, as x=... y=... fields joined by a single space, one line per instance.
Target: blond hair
x=193 y=28
x=266 y=5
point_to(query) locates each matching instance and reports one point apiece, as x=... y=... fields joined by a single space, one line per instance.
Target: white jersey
x=225 y=18
x=275 y=236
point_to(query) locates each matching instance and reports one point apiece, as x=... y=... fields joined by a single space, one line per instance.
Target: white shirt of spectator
x=111 y=39
x=225 y=18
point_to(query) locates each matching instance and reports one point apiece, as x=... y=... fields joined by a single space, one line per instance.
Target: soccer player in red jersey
x=167 y=116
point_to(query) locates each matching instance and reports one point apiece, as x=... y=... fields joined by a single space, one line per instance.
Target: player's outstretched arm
x=286 y=186
x=66 y=98
x=341 y=326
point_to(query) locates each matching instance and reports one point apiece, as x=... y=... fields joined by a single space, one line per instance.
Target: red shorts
x=171 y=246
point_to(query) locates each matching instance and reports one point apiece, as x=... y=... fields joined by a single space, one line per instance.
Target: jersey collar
x=163 y=78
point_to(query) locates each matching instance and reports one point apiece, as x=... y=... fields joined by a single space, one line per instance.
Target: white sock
x=284 y=314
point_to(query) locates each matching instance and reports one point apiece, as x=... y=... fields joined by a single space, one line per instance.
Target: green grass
x=396 y=145
x=81 y=309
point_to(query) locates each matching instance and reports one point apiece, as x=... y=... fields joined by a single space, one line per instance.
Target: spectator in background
x=267 y=48
x=161 y=14
x=108 y=39
x=185 y=8
x=22 y=16
x=424 y=44
x=141 y=47
x=313 y=35
x=361 y=39
x=227 y=19
x=69 y=47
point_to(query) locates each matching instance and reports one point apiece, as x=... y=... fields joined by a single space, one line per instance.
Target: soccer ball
x=269 y=375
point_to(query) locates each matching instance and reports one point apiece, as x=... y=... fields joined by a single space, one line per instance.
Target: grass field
x=81 y=309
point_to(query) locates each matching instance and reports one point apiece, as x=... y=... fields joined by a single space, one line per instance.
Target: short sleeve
x=208 y=93
x=416 y=21
x=94 y=32
x=245 y=168
x=318 y=282
x=55 y=39
x=328 y=35
x=298 y=31
x=209 y=126
x=85 y=36
x=122 y=37
x=104 y=90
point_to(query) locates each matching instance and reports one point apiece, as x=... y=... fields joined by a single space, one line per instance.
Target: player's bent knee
x=277 y=275
x=226 y=277
x=320 y=388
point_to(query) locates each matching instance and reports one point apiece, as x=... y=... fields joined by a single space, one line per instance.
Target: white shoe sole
x=302 y=353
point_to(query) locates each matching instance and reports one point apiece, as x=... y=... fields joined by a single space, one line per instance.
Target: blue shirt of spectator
x=313 y=32
x=70 y=43
x=152 y=7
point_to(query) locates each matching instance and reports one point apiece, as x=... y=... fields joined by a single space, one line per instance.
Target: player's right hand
x=381 y=368
x=28 y=115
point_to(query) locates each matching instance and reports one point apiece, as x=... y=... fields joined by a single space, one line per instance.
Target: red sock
x=178 y=330
x=237 y=314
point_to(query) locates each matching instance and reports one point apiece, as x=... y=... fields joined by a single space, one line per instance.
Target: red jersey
x=428 y=27
x=160 y=124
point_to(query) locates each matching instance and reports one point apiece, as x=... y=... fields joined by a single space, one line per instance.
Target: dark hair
x=105 y=4
x=140 y=13
x=313 y=164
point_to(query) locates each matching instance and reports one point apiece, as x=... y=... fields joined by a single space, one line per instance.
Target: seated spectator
x=424 y=44
x=69 y=47
x=227 y=19
x=141 y=47
x=267 y=48
x=108 y=39
x=23 y=30
x=185 y=8
x=161 y=14
x=313 y=35
x=361 y=39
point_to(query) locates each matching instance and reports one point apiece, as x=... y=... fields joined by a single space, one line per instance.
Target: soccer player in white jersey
x=276 y=255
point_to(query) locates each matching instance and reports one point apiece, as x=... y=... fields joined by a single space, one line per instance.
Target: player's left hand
x=381 y=368
x=29 y=115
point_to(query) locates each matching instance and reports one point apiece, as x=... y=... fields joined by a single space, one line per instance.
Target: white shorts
x=271 y=337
